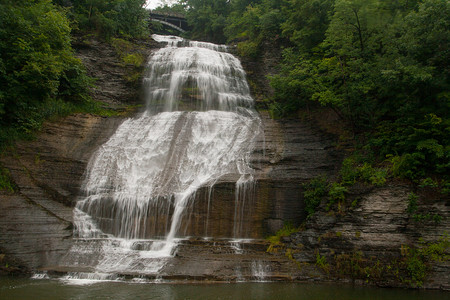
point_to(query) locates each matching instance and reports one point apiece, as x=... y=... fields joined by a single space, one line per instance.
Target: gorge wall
x=36 y=220
x=35 y=224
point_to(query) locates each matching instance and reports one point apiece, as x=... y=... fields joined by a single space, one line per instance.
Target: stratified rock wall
x=36 y=221
x=292 y=152
x=49 y=171
x=374 y=234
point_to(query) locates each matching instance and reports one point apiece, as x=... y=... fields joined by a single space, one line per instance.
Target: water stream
x=199 y=126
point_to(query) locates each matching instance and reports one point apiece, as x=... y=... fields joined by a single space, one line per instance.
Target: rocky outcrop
x=373 y=240
x=103 y=62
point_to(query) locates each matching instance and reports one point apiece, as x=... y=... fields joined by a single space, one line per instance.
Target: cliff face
x=35 y=223
x=36 y=228
x=373 y=240
x=36 y=220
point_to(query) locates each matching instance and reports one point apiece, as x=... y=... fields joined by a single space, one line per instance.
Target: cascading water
x=199 y=126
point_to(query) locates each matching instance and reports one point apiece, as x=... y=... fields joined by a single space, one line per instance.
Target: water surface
x=11 y=288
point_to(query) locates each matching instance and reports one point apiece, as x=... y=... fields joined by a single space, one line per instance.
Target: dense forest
x=40 y=76
x=382 y=66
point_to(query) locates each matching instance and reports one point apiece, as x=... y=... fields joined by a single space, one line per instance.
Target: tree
x=112 y=17
x=36 y=61
x=307 y=22
x=207 y=19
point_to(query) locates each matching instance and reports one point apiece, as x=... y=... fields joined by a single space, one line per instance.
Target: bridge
x=177 y=22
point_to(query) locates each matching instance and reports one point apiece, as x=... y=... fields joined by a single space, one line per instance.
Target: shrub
x=248 y=49
x=412 y=204
x=349 y=172
x=336 y=193
x=315 y=190
x=6 y=183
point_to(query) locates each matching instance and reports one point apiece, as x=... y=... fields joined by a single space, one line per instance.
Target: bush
x=349 y=172
x=336 y=193
x=249 y=49
x=6 y=183
x=315 y=190
x=408 y=165
x=37 y=65
x=109 y=18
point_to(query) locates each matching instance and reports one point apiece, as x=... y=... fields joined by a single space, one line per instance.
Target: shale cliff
x=367 y=238
x=36 y=220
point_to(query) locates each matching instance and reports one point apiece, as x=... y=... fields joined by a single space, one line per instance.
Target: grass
x=275 y=240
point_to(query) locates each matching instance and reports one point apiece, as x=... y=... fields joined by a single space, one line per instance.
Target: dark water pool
x=12 y=288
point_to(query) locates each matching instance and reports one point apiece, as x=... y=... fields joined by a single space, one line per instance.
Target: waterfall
x=199 y=126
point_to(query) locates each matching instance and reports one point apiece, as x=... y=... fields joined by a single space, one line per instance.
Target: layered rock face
x=48 y=173
x=290 y=153
x=36 y=221
x=372 y=240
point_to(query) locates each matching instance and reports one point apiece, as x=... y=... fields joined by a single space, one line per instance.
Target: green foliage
x=352 y=171
x=134 y=59
x=307 y=22
x=419 y=217
x=408 y=165
x=6 y=183
x=249 y=49
x=412 y=204
x=321 y=262
x=110 y=18
x=275 y=240
x=375 y=176
x=315 y=190
x=37 y=66
x=349 y=172
x=437 y=251
x=336 y=193
x=428 y=182
x=207 y=18
x=412 y=268
x=379 y=65
x=416 y=268
x=131 y=56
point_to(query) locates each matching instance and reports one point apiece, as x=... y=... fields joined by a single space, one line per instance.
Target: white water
x=198 y=127
x=260 y=271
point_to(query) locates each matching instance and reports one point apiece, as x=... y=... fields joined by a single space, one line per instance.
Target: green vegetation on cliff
x=37 y=65
x=382 y=66
x=39 y=74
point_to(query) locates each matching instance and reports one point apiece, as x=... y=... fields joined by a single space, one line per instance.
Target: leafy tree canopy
x=36 y=61
x=383 y=66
